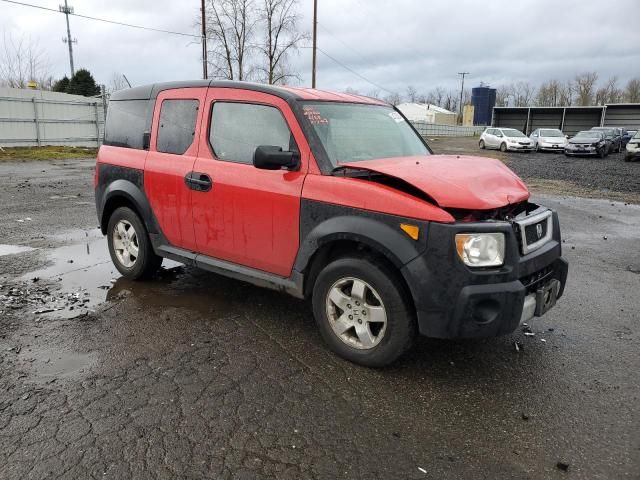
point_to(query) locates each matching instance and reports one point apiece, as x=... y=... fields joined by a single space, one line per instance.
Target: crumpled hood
x=466 y=182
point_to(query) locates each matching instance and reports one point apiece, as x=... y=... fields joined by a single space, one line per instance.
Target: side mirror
x=146 y=140
x=268 y=157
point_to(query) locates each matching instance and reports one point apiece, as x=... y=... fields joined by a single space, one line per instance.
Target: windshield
x=551 y=133
x=353 y=132
x=512 y=132
x=637 y=134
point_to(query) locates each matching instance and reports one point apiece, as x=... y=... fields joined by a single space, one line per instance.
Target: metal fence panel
x=437 y=130
x=35 y=117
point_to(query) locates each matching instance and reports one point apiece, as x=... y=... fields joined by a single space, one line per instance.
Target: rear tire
x=129 y=245
x=503 y=147
x=362 y=311
x=481 y=144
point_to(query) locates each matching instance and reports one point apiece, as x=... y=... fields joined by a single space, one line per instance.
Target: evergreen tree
x=61 y=85
x=82 y=83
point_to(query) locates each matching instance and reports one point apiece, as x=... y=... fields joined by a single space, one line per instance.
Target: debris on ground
x=39 y=299
x=525 y=417
x=562 y=466
x=422 y=470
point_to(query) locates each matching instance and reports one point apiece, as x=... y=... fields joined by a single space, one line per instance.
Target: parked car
x=283 y=188
x=627 y=135
x=550 y=139
x=505 y=139
x=589 y=142
x=614 y=138
x=633 y=148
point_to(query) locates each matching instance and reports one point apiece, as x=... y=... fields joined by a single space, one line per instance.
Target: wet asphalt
x=192 y=375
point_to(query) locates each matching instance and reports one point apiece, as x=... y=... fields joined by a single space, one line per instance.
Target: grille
x=535 y=280
x=531 y=231
x=527 y=231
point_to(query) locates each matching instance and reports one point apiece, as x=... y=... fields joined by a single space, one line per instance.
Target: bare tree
x=614 y=94
x=565 y=94
x=117 y=82
x=450 y=101
x=281 y=37
x=230 y=29
x=375 y=93
x=502 y=96
x=523 y=94
x=23 y=61
x=632 y=91
x=412 y=94
x=436 y=96
x=393 y=99
x=549 y=94
x=584 y=87
x=351 y=91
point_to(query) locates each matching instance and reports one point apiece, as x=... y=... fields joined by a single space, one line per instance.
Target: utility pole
x=315 y=35
x=204 y=42
x=461 y=91
x=66 y=9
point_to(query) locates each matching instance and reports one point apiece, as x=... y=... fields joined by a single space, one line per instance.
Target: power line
x=346 y=67
x=104 y=20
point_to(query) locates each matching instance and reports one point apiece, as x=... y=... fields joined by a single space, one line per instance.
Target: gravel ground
x=610 y=174
x=192 y=375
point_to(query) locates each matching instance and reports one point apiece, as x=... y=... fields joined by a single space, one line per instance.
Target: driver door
x=249 y=216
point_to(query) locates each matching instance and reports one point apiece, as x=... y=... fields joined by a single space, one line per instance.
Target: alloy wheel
x=356 y=313
x=125 y=243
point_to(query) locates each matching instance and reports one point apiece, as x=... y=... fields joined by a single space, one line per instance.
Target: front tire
x=129 y=245
x=482 y=145
x=363 y=312
x=603 y=153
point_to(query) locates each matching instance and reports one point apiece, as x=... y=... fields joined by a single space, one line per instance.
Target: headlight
x=481 y=249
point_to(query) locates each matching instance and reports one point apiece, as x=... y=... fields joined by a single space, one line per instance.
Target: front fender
x=322 y=223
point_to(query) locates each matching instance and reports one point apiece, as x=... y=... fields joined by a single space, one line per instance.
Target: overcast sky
x=391 y=43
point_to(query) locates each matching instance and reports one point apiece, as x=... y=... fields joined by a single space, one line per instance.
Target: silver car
x=550 y=139
x=505 y=139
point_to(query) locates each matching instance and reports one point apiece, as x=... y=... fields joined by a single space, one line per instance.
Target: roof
x=426 y=106
x=147 y=92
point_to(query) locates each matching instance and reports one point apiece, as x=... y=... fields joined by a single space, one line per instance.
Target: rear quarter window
x=127 y=120
x=176 y=128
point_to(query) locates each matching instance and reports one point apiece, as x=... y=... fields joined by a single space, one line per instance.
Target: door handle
x=200 y=182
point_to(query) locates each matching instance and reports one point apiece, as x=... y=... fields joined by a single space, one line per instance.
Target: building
x=483 y=99
x=428 y=113
x=568 y=119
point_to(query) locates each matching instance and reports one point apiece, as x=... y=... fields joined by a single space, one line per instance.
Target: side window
x=177 y=126
x=127 y=120
x=237 y=129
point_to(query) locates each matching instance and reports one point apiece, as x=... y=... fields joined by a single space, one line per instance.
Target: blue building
x=483 y=99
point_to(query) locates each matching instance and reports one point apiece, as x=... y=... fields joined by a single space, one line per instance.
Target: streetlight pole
x=315 y=34
x=463 y=74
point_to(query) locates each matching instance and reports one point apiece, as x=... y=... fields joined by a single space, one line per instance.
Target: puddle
x=50 y=363
x=11 y=249
x=83 y=271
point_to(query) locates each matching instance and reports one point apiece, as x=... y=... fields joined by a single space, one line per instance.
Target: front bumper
x=551 y=147
x=581 y=152
x=455 y=301
x=519 y=148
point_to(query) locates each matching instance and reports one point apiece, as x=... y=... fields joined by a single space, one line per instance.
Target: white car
x=505 y=139
x=549 y=139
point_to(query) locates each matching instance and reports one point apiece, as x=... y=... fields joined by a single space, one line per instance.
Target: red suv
x=326 y=196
